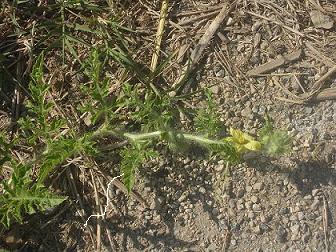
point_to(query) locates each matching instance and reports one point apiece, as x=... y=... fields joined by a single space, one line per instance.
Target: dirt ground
x=266 y=56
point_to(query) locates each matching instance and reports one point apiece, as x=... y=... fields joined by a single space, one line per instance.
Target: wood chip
x=278 y=62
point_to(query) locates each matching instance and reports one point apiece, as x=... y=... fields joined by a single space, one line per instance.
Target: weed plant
x=141 y=114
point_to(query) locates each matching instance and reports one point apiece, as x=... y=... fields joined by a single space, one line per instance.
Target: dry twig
x=319 y=55
x=273 y=64
x=276 y=22
x=203 y=43
x=98 y=234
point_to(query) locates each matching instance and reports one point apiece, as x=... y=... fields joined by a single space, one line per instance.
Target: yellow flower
x=243 y=141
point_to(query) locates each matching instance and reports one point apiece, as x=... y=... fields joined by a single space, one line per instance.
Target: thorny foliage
x=139 y=114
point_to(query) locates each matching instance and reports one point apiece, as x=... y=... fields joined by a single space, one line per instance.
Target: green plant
x=24 y=193
x=132 y=158
x=24 y=196
x=273 y=141
x=207 y=119
x=139 y=112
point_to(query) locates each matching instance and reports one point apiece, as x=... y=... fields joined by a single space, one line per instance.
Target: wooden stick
x=202 y=44
x=326 y=94
x=319 y=84
x=273 y=64
x=200 y=17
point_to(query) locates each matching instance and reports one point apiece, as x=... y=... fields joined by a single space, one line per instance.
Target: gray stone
x=264 y=227
x=281 y=234
x=220 y=73
x=215 y=211
x=283 y=211
x=235 y=227
x=306 y=237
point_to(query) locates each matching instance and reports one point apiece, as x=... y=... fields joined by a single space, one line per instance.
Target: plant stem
x=154 y=134
x=200 y=139
x=136 y=137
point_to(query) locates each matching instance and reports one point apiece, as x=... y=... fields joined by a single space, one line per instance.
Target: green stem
x=136 y=137
x=200 y=139
x=141 y=136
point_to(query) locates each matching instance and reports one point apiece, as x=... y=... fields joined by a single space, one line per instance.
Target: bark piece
x=273 y=64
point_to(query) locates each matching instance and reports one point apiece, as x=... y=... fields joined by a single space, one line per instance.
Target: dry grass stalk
x=325 y=223
x=98 y=231
x=318 y=55
x=159 y=34
x=276 y=22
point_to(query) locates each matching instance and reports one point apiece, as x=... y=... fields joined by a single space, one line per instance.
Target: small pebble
x=295 y=229
x=248 y=188
x=258 y=186
x=315 y=192
x=215 y=211
x=254 y=199
x=256 y=207
x=251 y=215
x=202 y=190
x=283 y=211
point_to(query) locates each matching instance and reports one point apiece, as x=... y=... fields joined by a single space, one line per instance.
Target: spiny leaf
x=274 y=142
x=21 y=195
x=132 y=158
x=207 y=119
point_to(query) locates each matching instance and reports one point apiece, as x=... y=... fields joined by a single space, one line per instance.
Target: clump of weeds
x=117 y=104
